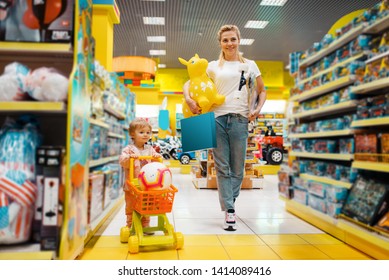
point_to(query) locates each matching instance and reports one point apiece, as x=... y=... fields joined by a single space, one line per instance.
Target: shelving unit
x=66 y=124
x=365 y=238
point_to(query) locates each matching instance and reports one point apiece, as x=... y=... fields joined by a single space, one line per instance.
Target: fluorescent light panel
x=161 y=65
x=157 y=52
x=246 y=42
x=154 y=20
x=159 y=39
x=273 y=2
x=258 y=24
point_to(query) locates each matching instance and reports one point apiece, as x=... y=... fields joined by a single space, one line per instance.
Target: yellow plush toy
x=201 y=87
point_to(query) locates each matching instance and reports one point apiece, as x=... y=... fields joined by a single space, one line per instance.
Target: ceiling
x=191 y=26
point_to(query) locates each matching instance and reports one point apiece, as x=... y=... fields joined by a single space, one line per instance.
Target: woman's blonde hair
x=138 y=123
x=225 y=28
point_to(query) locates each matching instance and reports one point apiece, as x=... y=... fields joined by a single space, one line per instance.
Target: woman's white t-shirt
x=226 y=79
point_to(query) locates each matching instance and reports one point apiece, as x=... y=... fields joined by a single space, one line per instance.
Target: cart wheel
x=179 y=238
x=124 y=234
x=133 y=244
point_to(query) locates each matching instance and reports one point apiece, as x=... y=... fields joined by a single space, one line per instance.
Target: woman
x=230 y=74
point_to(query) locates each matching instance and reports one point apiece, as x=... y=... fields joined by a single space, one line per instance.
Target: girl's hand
x=133 y=156
x=156 y=155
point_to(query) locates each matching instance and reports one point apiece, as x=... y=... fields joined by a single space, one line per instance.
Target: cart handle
x=131 y=173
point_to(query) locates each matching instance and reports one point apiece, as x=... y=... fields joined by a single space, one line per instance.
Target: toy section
x=63 y=124
x=65 y=109
x=338 y=122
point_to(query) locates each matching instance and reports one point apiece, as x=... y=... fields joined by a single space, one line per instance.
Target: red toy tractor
x=272 y=149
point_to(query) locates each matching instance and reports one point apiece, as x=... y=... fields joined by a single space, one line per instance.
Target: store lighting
x=157 y=52
x=246 y=42
x=273 y=2
x=154 y=20
x=161 y=65
x=158 y=39
x=258 y=24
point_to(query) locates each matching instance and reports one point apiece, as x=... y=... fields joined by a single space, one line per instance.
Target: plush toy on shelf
x=12 y=82
x=201 y=87
x=46 y=84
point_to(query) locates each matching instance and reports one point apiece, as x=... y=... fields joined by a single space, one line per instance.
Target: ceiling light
x=273 y=2
x=259 y=24
x=157 y=52
x=154 y=20
x=161 y=65
x=247 y=42
x=159 y=39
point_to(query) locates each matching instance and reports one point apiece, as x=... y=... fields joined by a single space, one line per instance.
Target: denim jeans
x=230 y=156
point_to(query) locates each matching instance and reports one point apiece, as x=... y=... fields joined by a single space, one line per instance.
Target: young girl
x=140 y=133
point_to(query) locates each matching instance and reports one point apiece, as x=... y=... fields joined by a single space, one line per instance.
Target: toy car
x=185 y=157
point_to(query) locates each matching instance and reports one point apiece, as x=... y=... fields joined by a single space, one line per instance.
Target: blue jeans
x=230 y=156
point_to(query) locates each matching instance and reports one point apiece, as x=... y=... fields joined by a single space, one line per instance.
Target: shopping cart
x=150 y=203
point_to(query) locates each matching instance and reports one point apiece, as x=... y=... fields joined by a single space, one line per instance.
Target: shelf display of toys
x=373 y=107
x=367 y=147
x=367 y=201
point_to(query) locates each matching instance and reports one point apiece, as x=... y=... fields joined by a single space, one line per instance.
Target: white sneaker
x=230 y=221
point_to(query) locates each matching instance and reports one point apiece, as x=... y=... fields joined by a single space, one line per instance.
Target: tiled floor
x=265 y=230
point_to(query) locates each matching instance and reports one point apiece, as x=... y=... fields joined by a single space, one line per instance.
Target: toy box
x=333 y=208
x=336 y=194
x=365 y=147
x=385 y=147
x=317 y=203
x=367 y=201
x=53 y=198
x=285 y=190
x=300 y=195
x=95 y=195
x=317 y=188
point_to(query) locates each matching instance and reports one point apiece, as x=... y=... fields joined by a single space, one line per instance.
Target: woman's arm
x=261 y=96
x=193 y=106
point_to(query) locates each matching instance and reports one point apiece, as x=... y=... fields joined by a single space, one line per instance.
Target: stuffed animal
x=46 y=84
x=12 y=82
x=201 y=87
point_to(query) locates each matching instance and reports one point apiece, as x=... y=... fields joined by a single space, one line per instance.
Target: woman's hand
x=254 y=114
x=193 y=106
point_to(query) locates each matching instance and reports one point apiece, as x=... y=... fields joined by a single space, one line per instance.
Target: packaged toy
x=47 y=84
x=13 y=82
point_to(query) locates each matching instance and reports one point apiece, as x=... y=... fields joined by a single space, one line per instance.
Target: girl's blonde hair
x=225 y=28
x=138 y=123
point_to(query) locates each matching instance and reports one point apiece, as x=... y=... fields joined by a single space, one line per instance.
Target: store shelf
x=108 y=212
x=323 y=134
x=47 y=49
x=378 y=26
x=114 y=112
x=365 y=238
x=33 y=106
x=323 y=72
x=98 y=123
x=328 y=87
x=344 y=39
x=332 y=109
x=372 y=166
x=344 y=157
x=102 y=161
x=316 y=218
x=377 y=57
x=362 y=239
x=371 y=87
x=325 y=180
x=371 y=122
x=115 y=135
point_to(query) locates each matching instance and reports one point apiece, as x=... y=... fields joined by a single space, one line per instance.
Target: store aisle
x=265 y=230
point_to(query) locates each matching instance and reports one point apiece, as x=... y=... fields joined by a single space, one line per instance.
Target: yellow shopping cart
x=150 y=203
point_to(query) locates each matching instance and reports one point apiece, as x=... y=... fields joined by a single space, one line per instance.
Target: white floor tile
x=280 y=226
